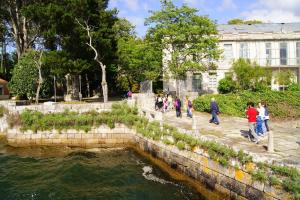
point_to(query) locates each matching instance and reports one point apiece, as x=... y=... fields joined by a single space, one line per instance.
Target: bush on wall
x=281 y=104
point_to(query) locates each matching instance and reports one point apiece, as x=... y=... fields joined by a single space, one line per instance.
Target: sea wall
x=232 y=183
x=97 y=137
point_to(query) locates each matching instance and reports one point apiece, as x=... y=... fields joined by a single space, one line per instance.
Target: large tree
x=61 y=32
x=138 y=59
x=191 y=40
x=23 y=30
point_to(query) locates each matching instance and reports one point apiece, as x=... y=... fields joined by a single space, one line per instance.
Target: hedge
x=280 y=104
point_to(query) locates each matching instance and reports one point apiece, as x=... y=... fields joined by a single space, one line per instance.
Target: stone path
x=231 y=131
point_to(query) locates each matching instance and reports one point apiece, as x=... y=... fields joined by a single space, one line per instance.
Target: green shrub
x=226 y=85
x=274 y=181
x=294 y=87
x=259 y=175
x=180 y=145
x=280 y=104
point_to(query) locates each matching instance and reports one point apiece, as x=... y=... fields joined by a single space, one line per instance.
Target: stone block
x=252 y=193
x=243 y=177
x=70 y=135
x=275 y=191
x=78 y=136
x=56 y=141
x=225 y=192
x=232 y=185
x=258 y=185
x=36 y=136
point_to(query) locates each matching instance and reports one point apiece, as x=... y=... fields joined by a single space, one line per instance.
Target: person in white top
x=260 y=125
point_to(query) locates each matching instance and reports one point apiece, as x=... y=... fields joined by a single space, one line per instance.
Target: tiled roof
x=260 y=28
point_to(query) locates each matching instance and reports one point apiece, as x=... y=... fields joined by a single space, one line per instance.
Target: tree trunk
x=87 y=85
x=104 y=84
x=75 y=88
x=96 y=58
x=40 y=80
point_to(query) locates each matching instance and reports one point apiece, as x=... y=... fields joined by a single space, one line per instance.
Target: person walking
x=129 y=95
x=260 y=129
x=189 y=107
x=165 y=104
x=251 y=114
x=214 y=109
x=177 y=107
x=267 y=117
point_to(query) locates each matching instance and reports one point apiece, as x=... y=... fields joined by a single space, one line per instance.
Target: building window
x=228 y=51
x=197 y=82
x=283 y=53
x=244 y=51
x=1 y=90
x=298 y=52
x=268 y=54
x=213 y=80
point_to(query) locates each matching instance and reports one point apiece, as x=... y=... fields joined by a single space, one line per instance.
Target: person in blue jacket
x=214 y=109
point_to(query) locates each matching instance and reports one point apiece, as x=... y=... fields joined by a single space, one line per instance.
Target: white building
x=271 y=45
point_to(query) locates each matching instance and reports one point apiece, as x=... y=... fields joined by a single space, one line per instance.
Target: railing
x=271 y=62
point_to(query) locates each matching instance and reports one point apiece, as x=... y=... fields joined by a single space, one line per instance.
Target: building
x=271 y=45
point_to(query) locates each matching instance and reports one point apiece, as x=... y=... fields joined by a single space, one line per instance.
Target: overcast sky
x=219 y=10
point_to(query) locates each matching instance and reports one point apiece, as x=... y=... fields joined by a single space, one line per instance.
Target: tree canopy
x=240 y=21
x=188 y=38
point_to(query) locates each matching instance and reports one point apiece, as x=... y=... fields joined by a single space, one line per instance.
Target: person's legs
x=267 y=125
x=215 y=118
x=252 y=131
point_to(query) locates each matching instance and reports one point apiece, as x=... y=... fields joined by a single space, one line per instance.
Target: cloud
x=193 y=3
x=132 y=4
x=274 y=11
x=137 y=21
x=227 y=5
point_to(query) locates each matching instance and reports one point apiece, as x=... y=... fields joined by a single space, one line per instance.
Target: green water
x=43 y=173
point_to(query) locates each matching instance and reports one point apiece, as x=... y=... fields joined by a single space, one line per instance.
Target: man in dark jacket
x=214 y=109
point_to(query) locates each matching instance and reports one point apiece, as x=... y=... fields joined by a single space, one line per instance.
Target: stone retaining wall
x=233 y=183
x=58 y=107
x=100 y=137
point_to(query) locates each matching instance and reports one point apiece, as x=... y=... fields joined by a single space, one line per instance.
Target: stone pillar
x=159 y=117
x=270 y=142
x=194 y=125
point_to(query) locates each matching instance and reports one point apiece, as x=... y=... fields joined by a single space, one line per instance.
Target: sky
x=278 y=11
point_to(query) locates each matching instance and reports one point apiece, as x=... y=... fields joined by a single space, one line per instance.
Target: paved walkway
x=231 y=131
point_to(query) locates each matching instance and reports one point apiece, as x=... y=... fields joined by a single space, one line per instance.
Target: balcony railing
x=272 y=62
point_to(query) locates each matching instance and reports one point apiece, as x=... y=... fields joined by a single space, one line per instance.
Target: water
x=44 y=173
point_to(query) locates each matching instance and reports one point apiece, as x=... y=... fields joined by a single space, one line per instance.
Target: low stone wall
x=233 y=183
x=100 y=137
x=57 y=107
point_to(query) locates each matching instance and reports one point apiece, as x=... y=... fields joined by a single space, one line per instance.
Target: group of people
x=165 y=103
x=258 y=118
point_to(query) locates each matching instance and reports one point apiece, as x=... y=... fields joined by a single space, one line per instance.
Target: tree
x=250 y=76
x=23 y=30
x=285 y=78
x=138 y=59
x=25 y=76
x=87 y=28
x=240 y=21
x=38 y=63
x=60 y=32
x=189 y=39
